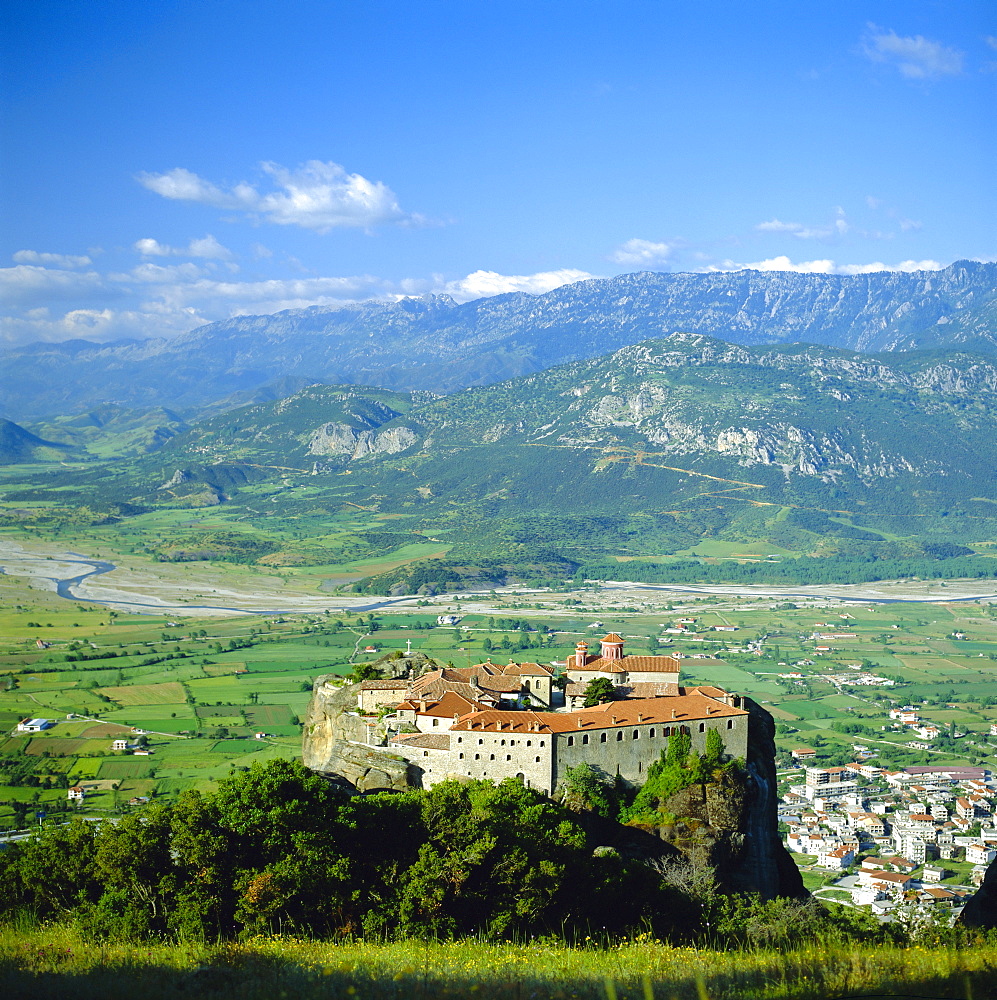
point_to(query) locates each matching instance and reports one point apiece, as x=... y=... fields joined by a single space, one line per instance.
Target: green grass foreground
x=56 y=961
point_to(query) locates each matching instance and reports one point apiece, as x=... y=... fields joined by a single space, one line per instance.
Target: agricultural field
x=198 y=692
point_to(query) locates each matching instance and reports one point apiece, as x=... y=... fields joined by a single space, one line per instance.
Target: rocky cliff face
x=341 y=439
x=981 y=910
x=334 y=736
x=732 y=826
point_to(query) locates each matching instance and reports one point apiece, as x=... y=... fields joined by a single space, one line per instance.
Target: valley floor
x=205 y=590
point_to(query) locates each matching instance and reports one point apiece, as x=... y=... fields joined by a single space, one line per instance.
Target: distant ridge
x=438 y=344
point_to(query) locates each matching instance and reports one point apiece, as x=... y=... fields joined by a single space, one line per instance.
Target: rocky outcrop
x=981 y=910
x=366 y=769
x=179 y=477
x=341 y=439
x=333 y=724
x=729 y=827
x=331 y=717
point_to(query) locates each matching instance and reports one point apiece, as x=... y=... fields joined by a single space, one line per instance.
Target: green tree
x=599 y=691
x=714 y=749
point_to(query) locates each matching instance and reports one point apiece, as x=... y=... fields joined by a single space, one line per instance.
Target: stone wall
x=502 y=755
x=629 y=751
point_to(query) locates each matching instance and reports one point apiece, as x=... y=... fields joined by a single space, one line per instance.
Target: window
x=541 y=743
x=492 y=757
x=650 y=735
x=619 y=736
x=667 y=731
x=585 y=739
x=702 y=727
x=538 y=760
x=425 y=753
x=571 y=741
x=529 y=743
x=503 y=742
x=460 y=739
x=508 y=756
x=730 y=723
x=477 y=756
x=460 y=756
x=480 y=742
x=636 y=734
x=436 y=722
x=602 y=739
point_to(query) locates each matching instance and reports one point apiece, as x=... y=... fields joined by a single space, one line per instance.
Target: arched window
x=602 y=739
x=636 y=734
x=619 y=736
x=480 y=742
x=477 y=756
x=508 y=756
x=702 y=727
x=730 y=723
x=571 y=741
x=650 y=735
x=538 y=760
x=460 y=739
x=460 y=756
x=492 y=757
x=585 y=738
x=436 y=722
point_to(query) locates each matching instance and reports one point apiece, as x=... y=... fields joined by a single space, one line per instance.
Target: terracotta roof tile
x=629 y=712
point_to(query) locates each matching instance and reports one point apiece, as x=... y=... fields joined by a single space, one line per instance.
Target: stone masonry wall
x=629 y=751
x=503 y=755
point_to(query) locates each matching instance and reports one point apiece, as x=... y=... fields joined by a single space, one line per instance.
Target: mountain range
x=678 y=447
x=442 y=346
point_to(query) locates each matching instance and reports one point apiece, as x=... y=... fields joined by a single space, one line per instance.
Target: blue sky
x=173 y=162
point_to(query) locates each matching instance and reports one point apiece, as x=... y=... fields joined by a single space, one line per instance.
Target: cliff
x=730 y=826
x=334 y=735
x=981 y=910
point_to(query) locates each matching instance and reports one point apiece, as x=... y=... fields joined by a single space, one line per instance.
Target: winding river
x=64 y=587
x=67 y=588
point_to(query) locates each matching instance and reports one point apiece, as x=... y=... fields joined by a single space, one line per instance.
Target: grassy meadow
x=55 y=960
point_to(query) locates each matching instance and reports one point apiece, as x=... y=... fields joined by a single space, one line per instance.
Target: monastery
x=493 y=721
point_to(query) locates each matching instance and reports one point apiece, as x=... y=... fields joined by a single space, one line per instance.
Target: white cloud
x=36 y=286
x=642 y=252
x=916 y=57
x=825 y=266
x=182 y=185
x=482 y=284
x=839 y=226
x=318 y=195
x=207 y=247
x=54 y=259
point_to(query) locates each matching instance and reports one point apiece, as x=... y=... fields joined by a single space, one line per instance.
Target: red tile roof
x=677 y=710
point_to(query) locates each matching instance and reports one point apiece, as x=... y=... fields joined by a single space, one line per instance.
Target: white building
x=34 y=725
